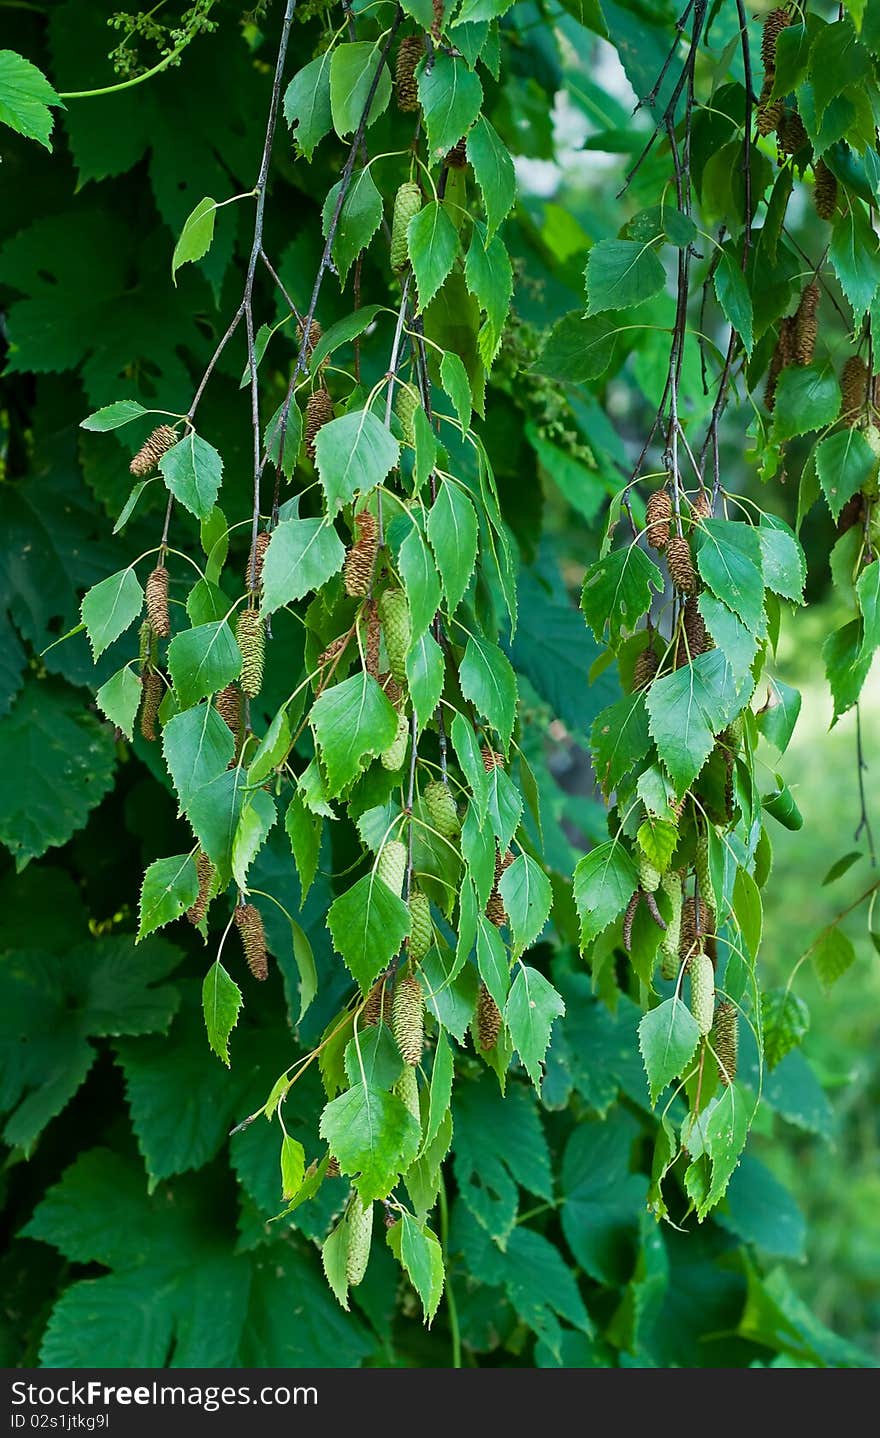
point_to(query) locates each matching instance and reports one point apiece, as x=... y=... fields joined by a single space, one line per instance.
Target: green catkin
x=405 y=404
x=421 y=934
x=146 y=646
x=649 y=875
x=408 y=1019
x=704 y=873
x=441 y=809
x=391 y=865
x=669 y=957
x=725 y=1041
x=407 y=203
x=359 y=1222
x=251 y=636
x=702 y=974
x=393 y=757
x=407 y=1090
x=397 y=629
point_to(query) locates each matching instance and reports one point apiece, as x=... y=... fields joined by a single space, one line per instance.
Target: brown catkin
x=361 y=558
x=688 y=934
x=437 y=22
x=770 y=112
x=806 y=325
x=825 y=193
x=488 y=1019
x=777 y=21
x=658 y=513
x=457 y=157
x=152 y=690
x=251 y=635
x=701 y=508
x=629 y=919
x=681 y=565
x=333 y=650
x=646 y=667
x=249 y=923
x=791 y=135
x=152 y=450
x=205 y=871
x=408 y=1018
x=256 y=560
x=391 y=689
x=227 y=702
x=853 y=512
x=319 y=411
x=378 y=1004
x=726 y=1041
x=374 y=634
x=315 y=333
x=332 y=1170
x=853 y=390
x=495 y=911
x=412 y=48
x=156 y=595
x=782 y=356
x=491 y=759
x=696 y=638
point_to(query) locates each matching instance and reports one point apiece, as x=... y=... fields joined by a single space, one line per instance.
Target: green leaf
x=668 y=1039
x=725 y=1131
x=25 y=97
x=221 y=1003
x=488 y=681
x=748 y=910
x=334 y=1259
x=578 y=348
x=807 y=398
x=343 y=332
x=782 y=559
x=56 y=765
x=452 y=530
x=170 y=887
x=110 y=607
x=454 y=379
x=112 y=416
x=353 y=454
x=526 y=892
x=130 y=505
x=420 y=582
x=351 y=721
x=307 y=103
x=776 y=720
x=687 y=709
x=604 y=882
x=293 y=1166
x=302 y=555
x=304 y=832
x=729 y=560
x=352 y=71
x=617 y=590
x=359 y=219
x=425 y=448
x=832 y=956
x=603 y=1199
x=198 y=747
x=373 y=1135
x=368 y=924
x=494 y=173
x=532 y=1007
x=846 y=665
x=425 y=671
x=203 y=660
x=451 y=96
x=621 y=273
x=786 y=1020
x=258 y=814
x=489 y=277
x=868 y=594
x=432 y=241
x=657 y=839
x=193 y=472
x=855 y=254
x=737 y=643
x=844 y=463
x=619 y=738
x=292 y=438
x=119 y=698
x=735 y=299
x=274 y=747
x=196 y=237
x=792 y=60
x=421 y=1255
x=841 y=866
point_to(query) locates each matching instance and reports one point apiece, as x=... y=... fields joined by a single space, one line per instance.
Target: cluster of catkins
x=776 y=114
x=858 y=410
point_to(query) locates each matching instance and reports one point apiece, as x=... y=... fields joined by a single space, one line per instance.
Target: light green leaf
x=868 y=594
x=494 y=173
x=425 y=670
x=621 y=273
x=130 y=505
x=855 y=254
x=352 y=71
x=687 y=708
x=451 y=96
x=807 y=398
x=532 y=1007
x=578 y=348
x=353 y=453
x=307 y=103
x=112 y=416
x=273 y=748
x=786 y=1020
x=258 y=814
x=619 y=738
x=452 y=530
x=454 y=379
x=193 y=472
x=668 y=1039
x=351 y=721
x=368 y=924
x=25 y=97
x=203 y=660
x=110 y=607
x=617 y=590
x=198 y=746
x=374 y=1137
x=779 y=715
x=748 y=910
x=420 y=1253
x=735 y=298
x=432 y=241
x=419 y=575
x=525 y=890
x=489 y=277
x=738 y=645
x=304 y=832
x=729 y=560
x=832 y=956
x=221 y=1003
x=302 y=555
x=604 y=882
x=119 y=698
x=782 y=559
x=170 y=887
x=293 y=1166
x=343 y=332
x=197 y=235
x=292 y=438
x=844 y=463
x=488 y=681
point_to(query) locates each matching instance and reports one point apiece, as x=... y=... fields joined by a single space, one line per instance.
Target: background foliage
x=113 y=1102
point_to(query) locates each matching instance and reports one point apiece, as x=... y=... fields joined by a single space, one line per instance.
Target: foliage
x=351 y=550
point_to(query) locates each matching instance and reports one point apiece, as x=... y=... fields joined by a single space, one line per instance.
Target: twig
x=864 y=824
